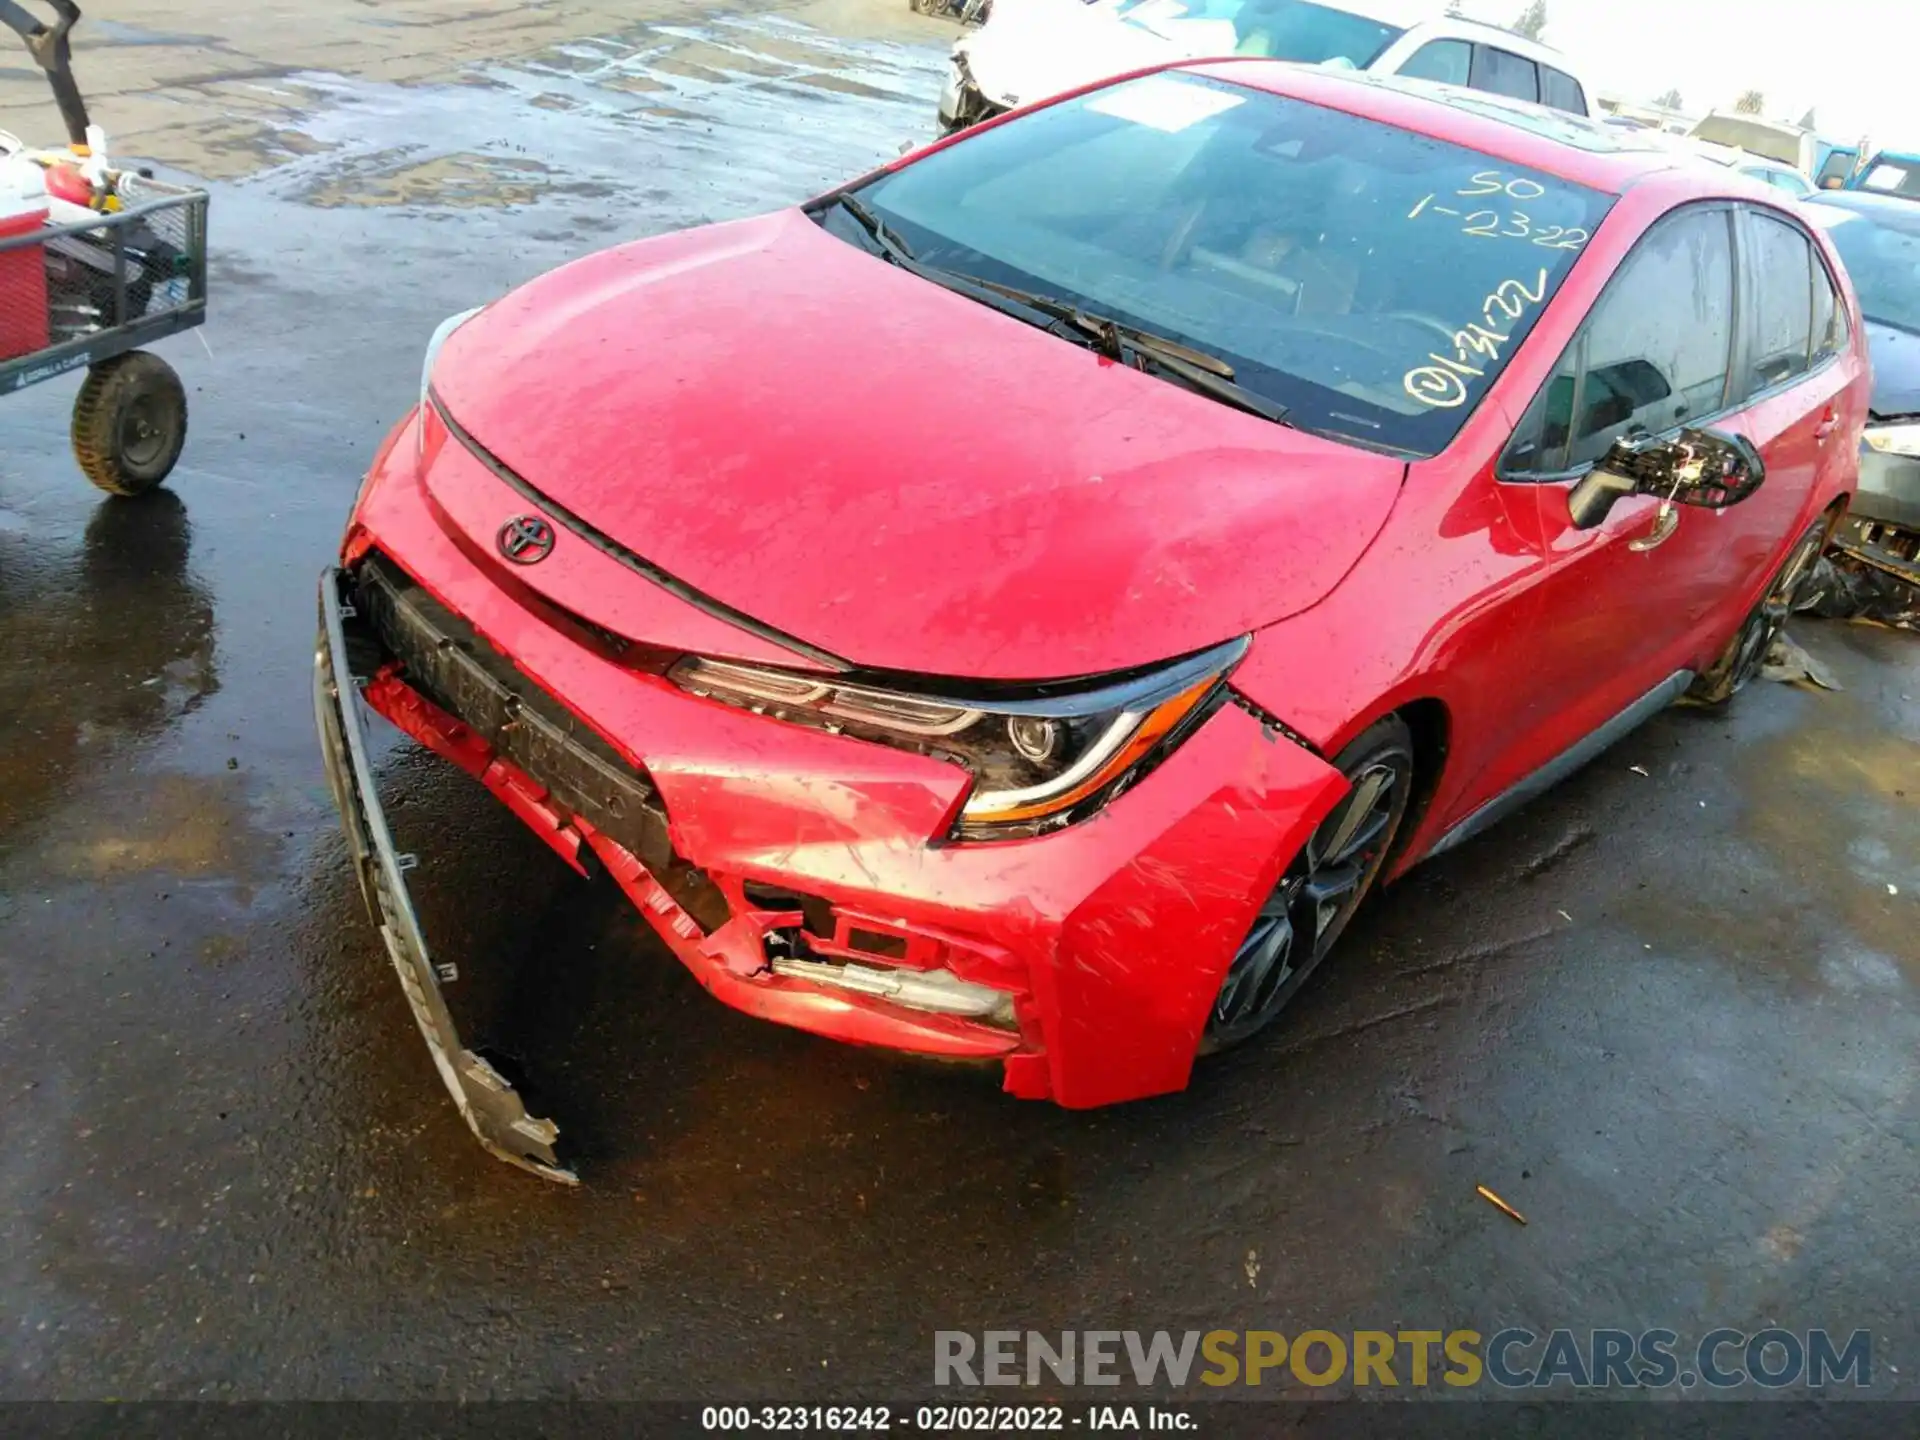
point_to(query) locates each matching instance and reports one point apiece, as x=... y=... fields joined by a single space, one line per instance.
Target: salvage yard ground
x=1671 y=1012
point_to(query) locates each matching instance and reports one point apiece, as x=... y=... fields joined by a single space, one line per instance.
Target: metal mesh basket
x=72 y=294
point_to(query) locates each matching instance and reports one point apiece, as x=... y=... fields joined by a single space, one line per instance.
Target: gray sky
x=1857 y=62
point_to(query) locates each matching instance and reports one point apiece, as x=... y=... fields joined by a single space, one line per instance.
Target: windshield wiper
x=1199 y=369
x=986 y=292
x=1128 y=344
x=891 y=245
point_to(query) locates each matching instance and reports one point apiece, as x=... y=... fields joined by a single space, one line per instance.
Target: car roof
x=1494 y=35
x=1587 y=152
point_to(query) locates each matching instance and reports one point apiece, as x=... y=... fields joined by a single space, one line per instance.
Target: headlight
x=441 y=334
x=1041 y=756
x=1895 y=439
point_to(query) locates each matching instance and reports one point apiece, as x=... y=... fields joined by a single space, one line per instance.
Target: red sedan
x=1016 y=606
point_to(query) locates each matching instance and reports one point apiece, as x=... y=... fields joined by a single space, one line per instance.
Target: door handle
x=1829 y=423
x=1666 y=520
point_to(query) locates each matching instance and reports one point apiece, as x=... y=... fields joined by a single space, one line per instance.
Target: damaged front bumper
x=800 y=877
x=490 y=1106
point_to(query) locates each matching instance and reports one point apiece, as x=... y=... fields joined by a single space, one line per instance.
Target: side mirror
x=1711 y=469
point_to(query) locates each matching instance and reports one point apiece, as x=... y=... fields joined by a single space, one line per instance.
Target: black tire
x=1747 y=651
x=129 y=423
x=1321 y=889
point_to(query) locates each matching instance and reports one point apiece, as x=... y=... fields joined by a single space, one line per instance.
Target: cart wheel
x=129 y=422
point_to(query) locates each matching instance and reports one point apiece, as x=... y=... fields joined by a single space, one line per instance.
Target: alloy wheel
x=1748 y=652
x=1319 y=893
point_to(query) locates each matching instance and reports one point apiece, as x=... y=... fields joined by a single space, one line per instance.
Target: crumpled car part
x=1844 y=587
x=490 y=1105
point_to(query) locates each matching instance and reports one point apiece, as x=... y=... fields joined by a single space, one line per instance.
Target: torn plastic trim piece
x=1276 y=724
x=491 y=1107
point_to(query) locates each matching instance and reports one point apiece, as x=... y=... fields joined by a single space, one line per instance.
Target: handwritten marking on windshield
x=1488 y=182
x=1443 y=384
x=1504 y=224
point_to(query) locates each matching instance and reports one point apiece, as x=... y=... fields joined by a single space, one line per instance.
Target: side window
x=1829 y=317
x=1837 y=167
x=1562 y=91
x=1539 y=445
x=1654 y=354
x=1448 y=61
x=1505 y=73
x=1780 y=315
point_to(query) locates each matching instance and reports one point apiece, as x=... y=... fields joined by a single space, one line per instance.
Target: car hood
x=1896 y=369
x=1033 y=49
x=895 y=474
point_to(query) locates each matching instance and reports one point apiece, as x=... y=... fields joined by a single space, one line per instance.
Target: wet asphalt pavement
x=1674 y=1017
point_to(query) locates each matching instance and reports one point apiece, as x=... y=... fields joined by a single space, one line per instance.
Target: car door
x=1789 y=389
x=1620 y=604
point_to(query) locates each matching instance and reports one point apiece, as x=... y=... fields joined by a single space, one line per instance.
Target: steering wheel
x=1182 y=235
x=1413 y=317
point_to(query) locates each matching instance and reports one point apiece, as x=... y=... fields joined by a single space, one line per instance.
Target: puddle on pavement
x=104 y=32
x=665 y=126
x=190 y=826
x=109 y=639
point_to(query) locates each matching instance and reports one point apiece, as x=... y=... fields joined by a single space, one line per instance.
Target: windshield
x=1882 y=260
x=1756 y=137
x=1372 y=280
x=1275 y=29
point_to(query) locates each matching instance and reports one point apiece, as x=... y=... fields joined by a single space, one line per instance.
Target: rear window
x=1505 y=73
x=1561 y=91
x=1373 y=280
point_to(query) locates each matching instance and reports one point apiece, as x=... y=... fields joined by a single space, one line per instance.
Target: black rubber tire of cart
x=129 y=423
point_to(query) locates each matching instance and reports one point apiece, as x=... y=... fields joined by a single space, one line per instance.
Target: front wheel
x=129 y=423
x=1320 y=891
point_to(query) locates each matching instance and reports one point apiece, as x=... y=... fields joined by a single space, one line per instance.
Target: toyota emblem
x=525 y=540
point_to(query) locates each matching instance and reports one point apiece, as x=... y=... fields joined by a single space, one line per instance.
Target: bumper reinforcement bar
x=491 y=1107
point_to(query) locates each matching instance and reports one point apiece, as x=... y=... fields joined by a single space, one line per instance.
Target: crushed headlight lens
x=1895 y=439
x=1040 y=755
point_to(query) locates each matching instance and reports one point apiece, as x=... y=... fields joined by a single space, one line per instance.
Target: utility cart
x=95 y=263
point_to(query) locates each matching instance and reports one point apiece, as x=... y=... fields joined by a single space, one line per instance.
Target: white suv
x=1032 y=49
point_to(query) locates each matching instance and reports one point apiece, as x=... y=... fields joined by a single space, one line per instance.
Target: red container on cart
x=23 y=268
